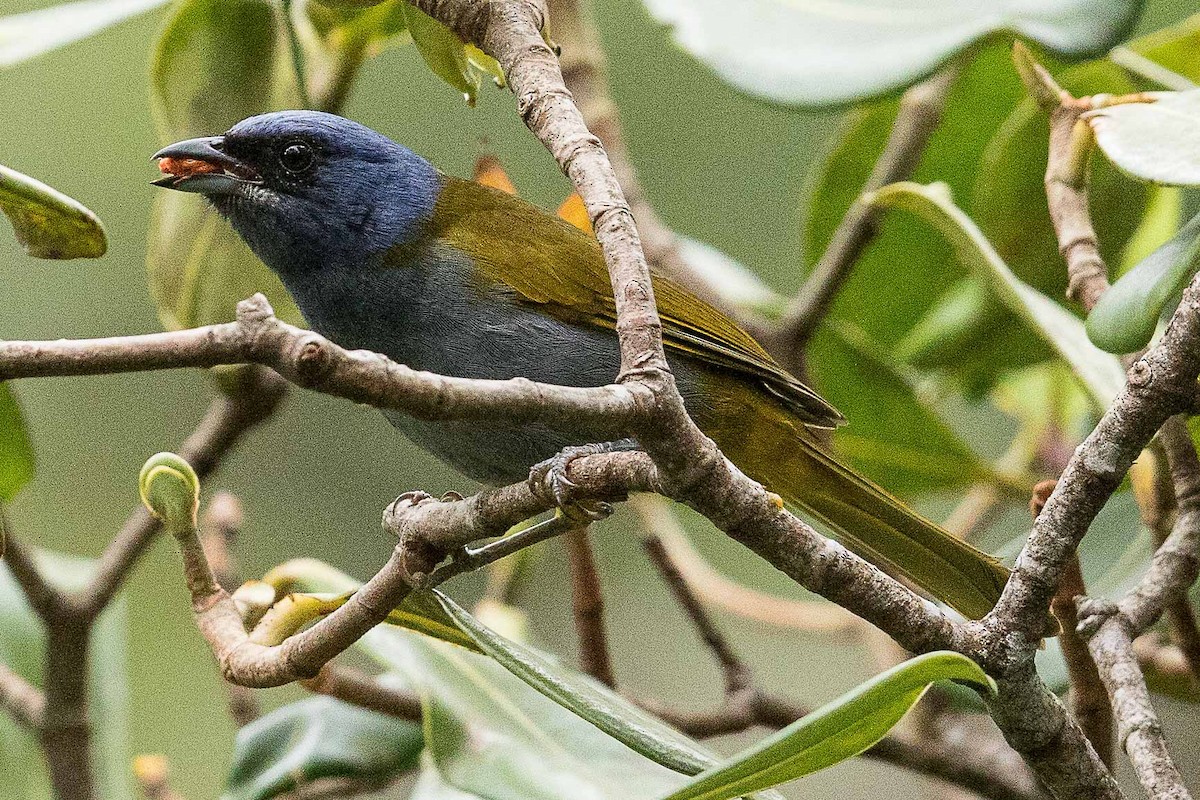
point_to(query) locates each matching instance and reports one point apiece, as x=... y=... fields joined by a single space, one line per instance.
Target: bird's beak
x=200 y=165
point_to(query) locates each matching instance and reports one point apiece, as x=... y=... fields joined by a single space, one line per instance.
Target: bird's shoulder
x=545 y=260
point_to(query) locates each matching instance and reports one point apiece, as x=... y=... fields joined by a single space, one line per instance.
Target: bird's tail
x=865 y=517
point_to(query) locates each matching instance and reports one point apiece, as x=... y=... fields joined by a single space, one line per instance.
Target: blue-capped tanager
x=383 y=252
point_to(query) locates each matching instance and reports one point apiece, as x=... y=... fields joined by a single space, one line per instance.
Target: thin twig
x=714 y=589
x=1089 y=699
x=1139 y=729
x=919 y=116
x=229 y=417
x=360 y=689
x=219 y=528
x=22 y=700
x=736 y=674
x=587 y=605
x=45 y=600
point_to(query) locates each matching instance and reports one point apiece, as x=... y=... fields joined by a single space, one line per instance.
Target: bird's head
x=305 y=187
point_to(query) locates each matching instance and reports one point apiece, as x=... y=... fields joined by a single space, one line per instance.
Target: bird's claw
x=551 y=475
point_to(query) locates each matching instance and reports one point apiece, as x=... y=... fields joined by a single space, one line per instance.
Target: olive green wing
x=544 y=260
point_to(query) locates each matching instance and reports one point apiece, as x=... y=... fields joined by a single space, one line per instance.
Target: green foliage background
x=727 y=170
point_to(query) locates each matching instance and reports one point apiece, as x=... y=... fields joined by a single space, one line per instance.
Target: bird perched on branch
x=383 y=252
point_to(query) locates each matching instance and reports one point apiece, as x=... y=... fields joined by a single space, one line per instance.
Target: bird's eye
x=296 y=157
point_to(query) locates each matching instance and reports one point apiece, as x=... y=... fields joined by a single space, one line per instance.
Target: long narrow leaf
x=603 y=708
x=1100 y=372
x=25 y=36
x=835 y=732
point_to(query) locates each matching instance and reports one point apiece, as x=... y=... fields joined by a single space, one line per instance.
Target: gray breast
x=433 y=316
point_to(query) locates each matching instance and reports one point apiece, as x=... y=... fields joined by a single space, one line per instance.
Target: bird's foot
x=551 y=476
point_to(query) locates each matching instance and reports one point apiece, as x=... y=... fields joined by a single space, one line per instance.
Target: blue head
x=308 y=190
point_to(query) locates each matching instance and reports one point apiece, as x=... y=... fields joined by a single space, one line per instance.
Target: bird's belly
x=492 y=453
x=437 y=321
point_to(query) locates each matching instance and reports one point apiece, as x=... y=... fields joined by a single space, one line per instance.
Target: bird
x=382 y=251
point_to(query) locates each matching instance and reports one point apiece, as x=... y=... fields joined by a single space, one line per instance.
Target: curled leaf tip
x=170 y=490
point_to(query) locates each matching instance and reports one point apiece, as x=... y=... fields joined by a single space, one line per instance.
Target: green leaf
x=896 y=436
x=432 y=786
x=458 y=64
x=16 y=452
x=32 y=33
x=335 y=41
x=1124 y=319
x=217 y=62
x=1155 y=141
x=47 y=222
x=836 y=51
x=583 y=696
x=903 y=264
x=491 y=736
x=835 y=732
x=439 y=617
x=1099 y=371
x=22 y=647
x=319 y=737
x=1172 y=48
x=1008 y=201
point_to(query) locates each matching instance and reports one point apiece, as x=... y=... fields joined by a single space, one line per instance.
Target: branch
x=1089 y=699
x=1066 y=180
x=714 y=589
x=45 y=600
x=429 y=531
x=313 y=362
x=584 y=72
x=1139 y=729
x=22 y=700
x=360 y=689
x=736 y=674
x=220 y=526
x=1160 y=384
x=587 y=603
x=1176 y=563
x=919 y=116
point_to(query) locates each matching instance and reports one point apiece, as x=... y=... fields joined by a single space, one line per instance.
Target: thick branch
x=1160 y=384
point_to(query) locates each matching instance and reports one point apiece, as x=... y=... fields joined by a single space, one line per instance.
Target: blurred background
x=718 y=166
